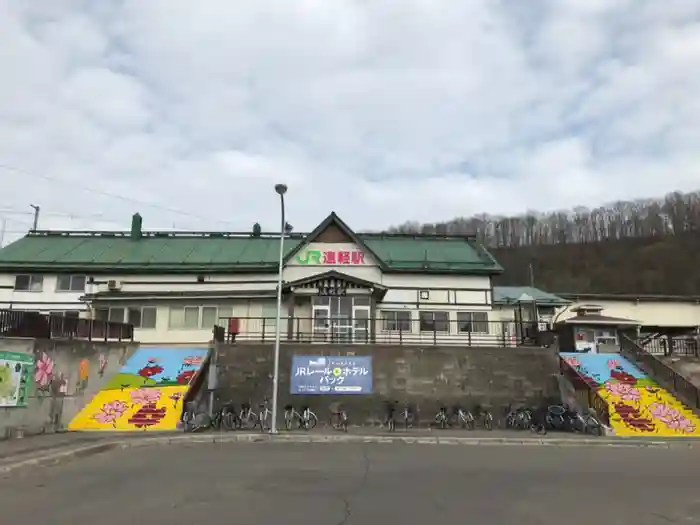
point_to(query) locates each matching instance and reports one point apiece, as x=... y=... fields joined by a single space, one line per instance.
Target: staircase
x=637 y=405
x=666 y=376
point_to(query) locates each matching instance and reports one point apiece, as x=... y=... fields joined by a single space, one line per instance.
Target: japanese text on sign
x=331 y=257
x=331 y=375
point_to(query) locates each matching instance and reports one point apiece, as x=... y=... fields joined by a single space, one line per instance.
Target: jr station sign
x=331 y=257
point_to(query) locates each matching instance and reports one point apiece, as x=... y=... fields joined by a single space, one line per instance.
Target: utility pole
x=3 y=227
x=37 y=209
x=532 y=275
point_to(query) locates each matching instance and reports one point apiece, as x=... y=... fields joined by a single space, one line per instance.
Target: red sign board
x=331 y=257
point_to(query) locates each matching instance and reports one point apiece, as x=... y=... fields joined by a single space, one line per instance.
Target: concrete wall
x=424 y=376
x=55 y=400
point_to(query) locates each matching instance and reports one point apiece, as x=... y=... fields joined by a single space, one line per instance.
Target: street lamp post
x=281 y=189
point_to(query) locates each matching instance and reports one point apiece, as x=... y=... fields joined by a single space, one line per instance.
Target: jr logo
x=310 y=257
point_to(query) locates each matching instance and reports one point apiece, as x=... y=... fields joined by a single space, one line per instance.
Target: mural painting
x=83 y=376
x=637 y=404
x=15 y=378
x=146 y=394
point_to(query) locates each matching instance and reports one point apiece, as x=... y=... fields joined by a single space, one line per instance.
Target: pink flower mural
x=110 y=412
x=44 y=370
x=682 y=424
x=672 y=418
x=102 y=365
x=663 y=412
x=613 y=364
x=572 y=361
x=144 y=396
x=175 y=398
x=622 y=390
x=192 y=360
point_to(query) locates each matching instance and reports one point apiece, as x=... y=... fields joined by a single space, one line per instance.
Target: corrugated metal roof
x=217 y=251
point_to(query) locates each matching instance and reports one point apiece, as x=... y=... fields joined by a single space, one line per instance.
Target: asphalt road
x=342 y=484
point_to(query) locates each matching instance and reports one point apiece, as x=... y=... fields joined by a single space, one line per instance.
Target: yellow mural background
x=85 y=419
x=648 y=398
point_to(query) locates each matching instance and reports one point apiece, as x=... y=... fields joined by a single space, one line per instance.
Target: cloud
x=384 y=112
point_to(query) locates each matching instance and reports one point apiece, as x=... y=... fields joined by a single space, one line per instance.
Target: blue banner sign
x=317 y=374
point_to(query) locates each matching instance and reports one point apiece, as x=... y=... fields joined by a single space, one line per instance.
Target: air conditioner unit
x=114 y=285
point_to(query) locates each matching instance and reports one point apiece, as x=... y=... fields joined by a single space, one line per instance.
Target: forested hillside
x=639 y=247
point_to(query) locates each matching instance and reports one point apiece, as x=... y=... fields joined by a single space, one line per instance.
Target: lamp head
x=281 y=189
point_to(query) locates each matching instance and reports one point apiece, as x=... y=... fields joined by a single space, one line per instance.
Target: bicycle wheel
x=229 y=421
x=289 y=420
x=312 y=421
x=264 y=420
x=249 y=420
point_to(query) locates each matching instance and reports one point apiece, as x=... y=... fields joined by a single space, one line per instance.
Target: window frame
x=466 y=319
x=268 y=315
x=70 y=288
x=32 y=278
x=386 y=317
x=201 y=316
x=184 y=309
x=142 y=310
x=434 y=329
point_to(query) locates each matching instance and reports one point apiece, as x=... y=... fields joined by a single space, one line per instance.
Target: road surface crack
x=347 y=510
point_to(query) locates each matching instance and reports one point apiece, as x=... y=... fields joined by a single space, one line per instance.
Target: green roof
x=179 y=252
x=514 y=294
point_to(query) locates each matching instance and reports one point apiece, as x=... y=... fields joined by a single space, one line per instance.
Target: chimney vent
x=257 y=230
x=136 y=224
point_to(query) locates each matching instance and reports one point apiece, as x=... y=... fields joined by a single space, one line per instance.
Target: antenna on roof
x=37 y=209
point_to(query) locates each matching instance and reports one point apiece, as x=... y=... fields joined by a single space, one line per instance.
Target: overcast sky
x=384 y=111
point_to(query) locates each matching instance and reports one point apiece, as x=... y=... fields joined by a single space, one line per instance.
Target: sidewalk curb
x=62 y=456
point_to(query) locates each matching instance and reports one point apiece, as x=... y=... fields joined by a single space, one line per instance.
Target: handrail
x=661 y=372
x=595 y=401
x=379 y=330
x=21 y=323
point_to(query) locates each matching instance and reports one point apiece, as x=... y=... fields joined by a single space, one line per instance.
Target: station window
x=29 y=283
x=70 y=283
x=473 y=322
x=434 y=321
x=396 y=321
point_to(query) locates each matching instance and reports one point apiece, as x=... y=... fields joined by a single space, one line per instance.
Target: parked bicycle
x=442 y=418
x=339 y=419
x=518 y=418
x=306 y=420
x=484 y=416
x=228 y=418
x=390 y=412
x=407 y=416
x=247 y=418
x=264 y=416
x=193 y=421
x=463 y=418
x=588 y=424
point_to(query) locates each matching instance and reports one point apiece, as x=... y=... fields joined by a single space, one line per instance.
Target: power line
x=111 y=195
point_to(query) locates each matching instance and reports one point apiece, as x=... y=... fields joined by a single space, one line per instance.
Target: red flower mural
x=184 y=377
x=148 y=415
x=632 y=417
x=151 y=369
x=623 y=377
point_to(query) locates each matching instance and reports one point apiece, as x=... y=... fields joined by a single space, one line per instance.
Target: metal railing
x=377 y=331
x=664 y=345
x=666 y=376
x=592 y=399
x=19 y=323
